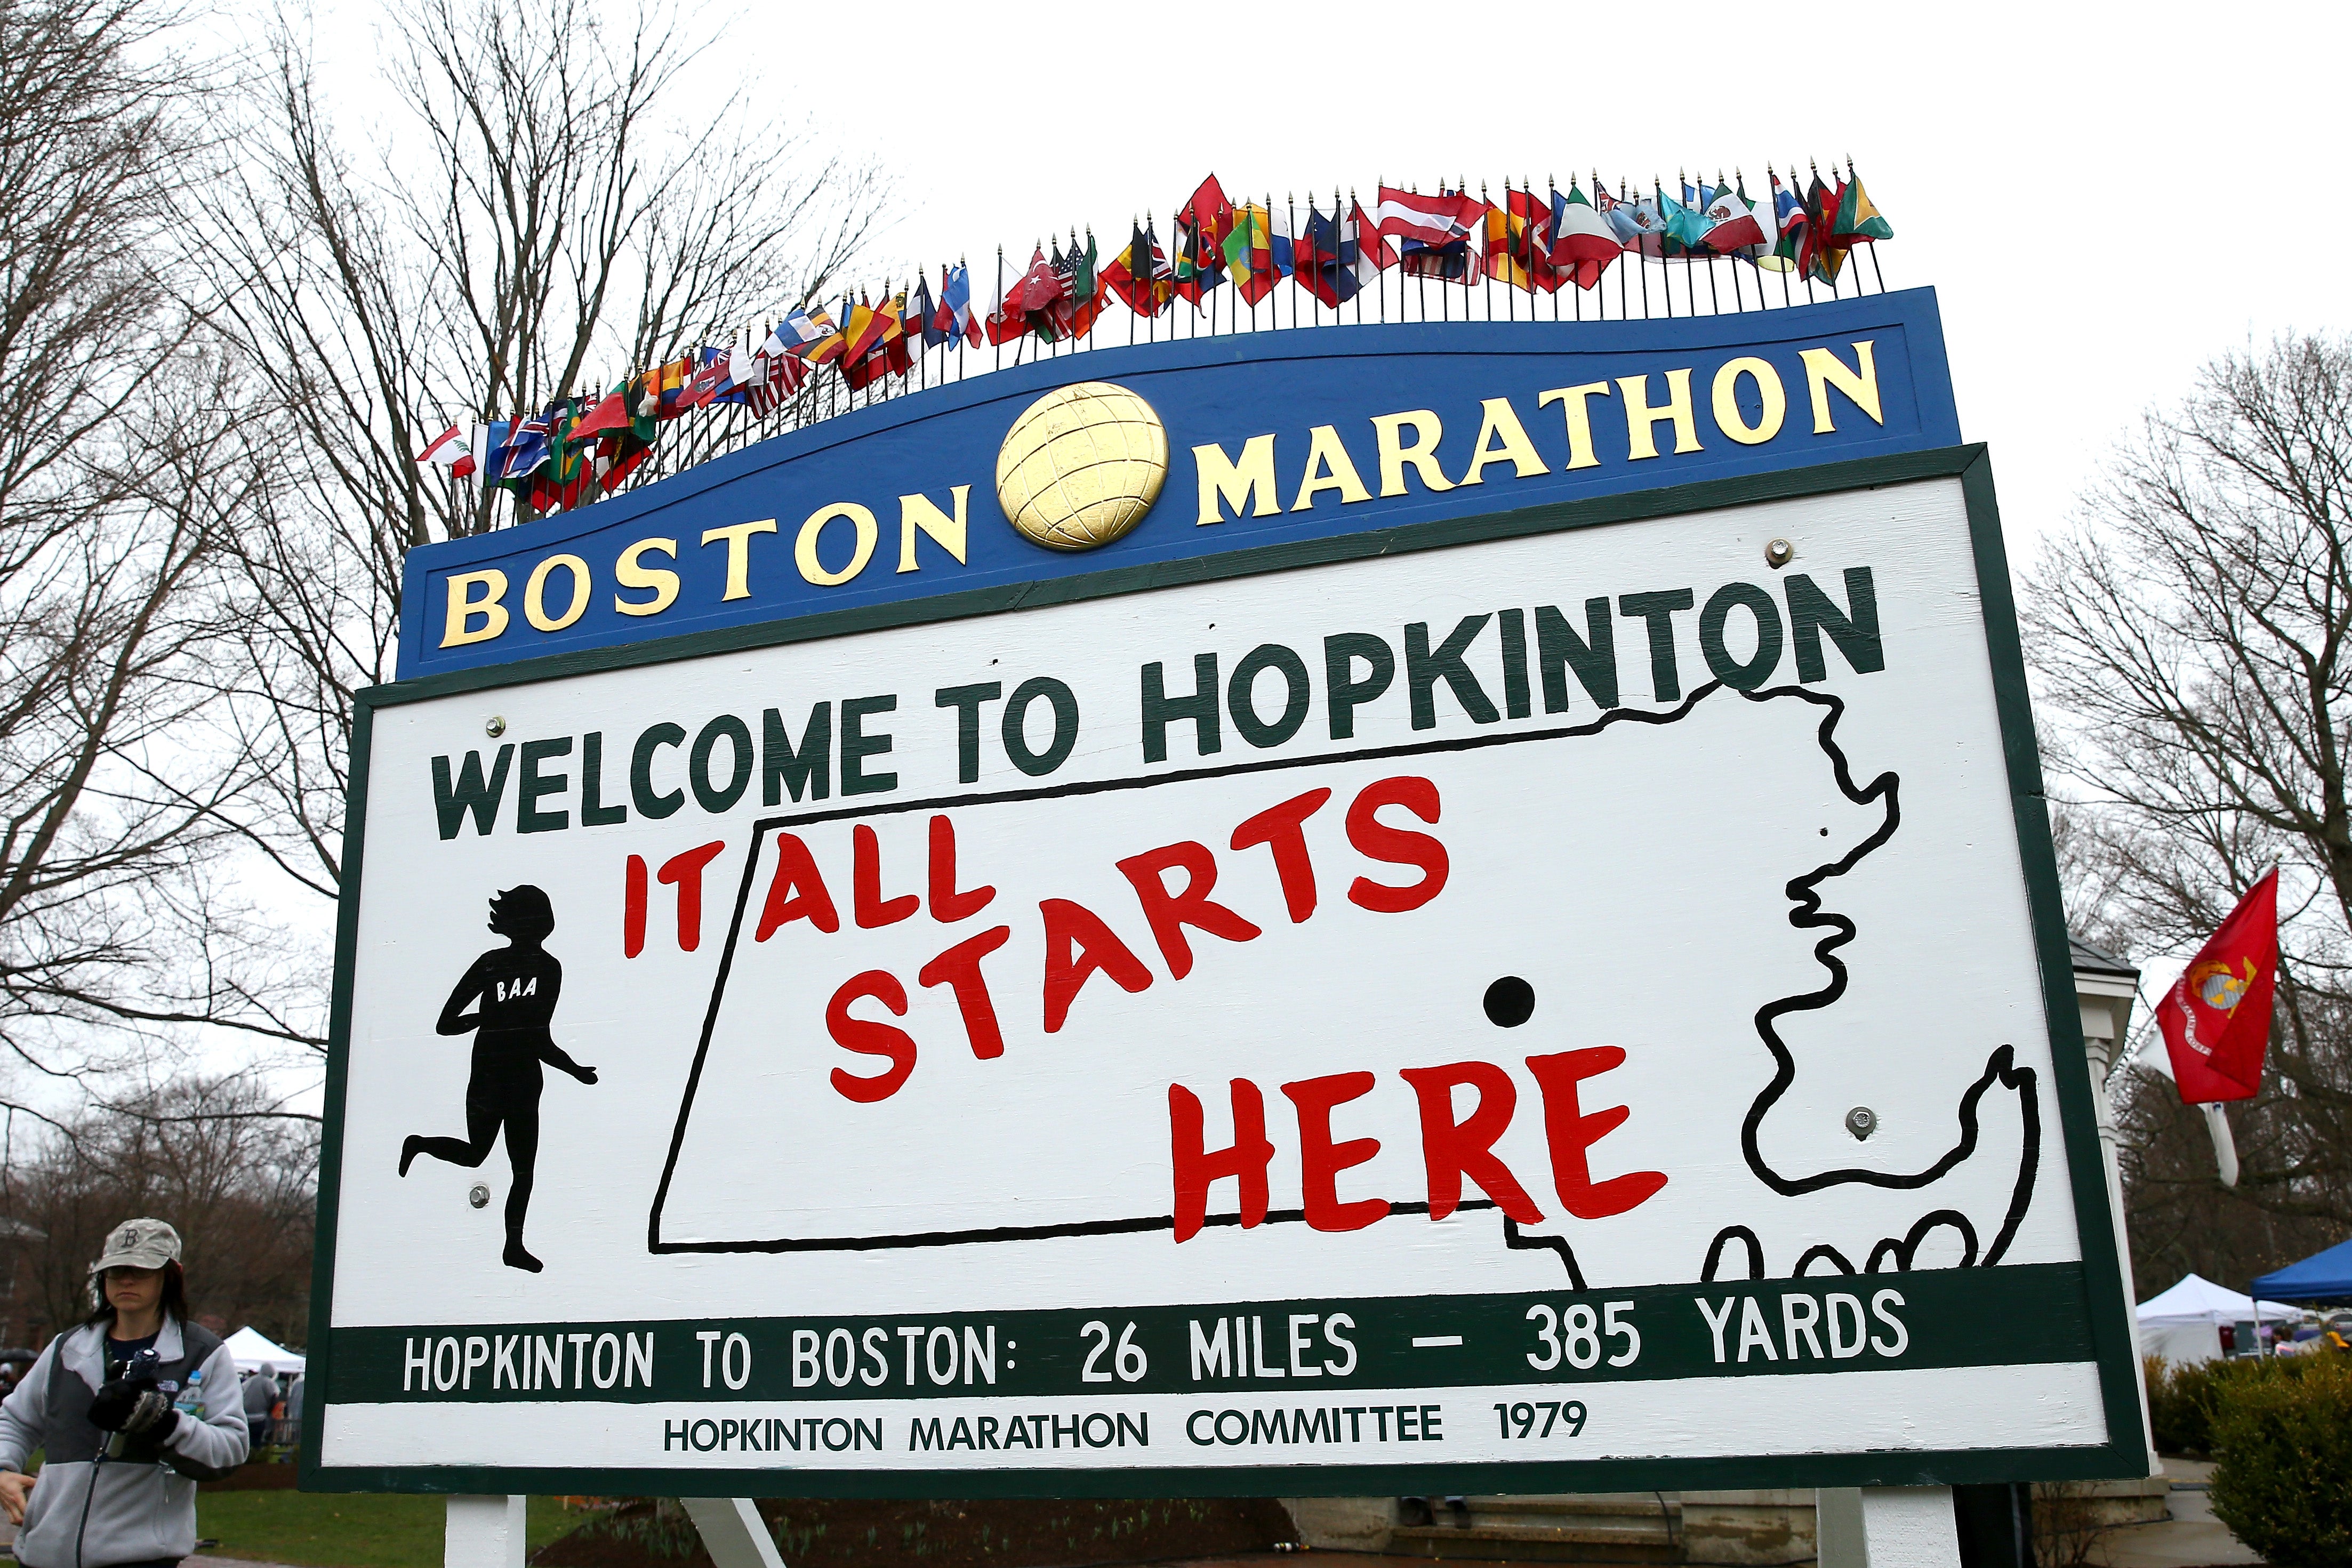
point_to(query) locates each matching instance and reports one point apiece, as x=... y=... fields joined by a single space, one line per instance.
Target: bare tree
x=2194 y=637
x=2180 y=1219
x=207 y=1154
x=124 y=463
x=221 y=342
x=568 y=194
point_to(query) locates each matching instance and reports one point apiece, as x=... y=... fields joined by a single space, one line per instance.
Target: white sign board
x=1563 y=1007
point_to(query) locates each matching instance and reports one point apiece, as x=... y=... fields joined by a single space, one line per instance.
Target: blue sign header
x=1270 y=438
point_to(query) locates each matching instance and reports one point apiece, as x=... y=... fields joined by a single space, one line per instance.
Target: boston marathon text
x=1565 y=430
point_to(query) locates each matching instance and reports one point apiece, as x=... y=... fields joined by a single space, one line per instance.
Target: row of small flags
x=580 y=446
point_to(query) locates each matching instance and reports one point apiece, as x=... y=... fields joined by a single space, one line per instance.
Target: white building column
x=2105 y=999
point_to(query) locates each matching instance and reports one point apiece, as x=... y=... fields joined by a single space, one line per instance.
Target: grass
x=344 y=1530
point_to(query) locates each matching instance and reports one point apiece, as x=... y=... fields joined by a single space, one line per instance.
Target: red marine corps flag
x=2217 y=1017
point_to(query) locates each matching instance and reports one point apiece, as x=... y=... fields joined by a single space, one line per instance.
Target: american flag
x=774 y=378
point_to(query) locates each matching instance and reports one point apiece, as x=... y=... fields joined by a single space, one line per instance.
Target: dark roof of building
x=2090 y=960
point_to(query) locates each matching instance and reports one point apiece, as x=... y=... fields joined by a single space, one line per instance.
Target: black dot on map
x=1825 y=832
x=1511 y=1001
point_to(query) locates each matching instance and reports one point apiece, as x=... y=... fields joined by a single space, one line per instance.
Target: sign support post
x=484 y=1532
x=1885 y=1527
x=732 y=1532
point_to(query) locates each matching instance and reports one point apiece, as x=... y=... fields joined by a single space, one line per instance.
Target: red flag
x=1029 y=303
x=1208 y=215
x=1202 y=225
x=611 y=414
x=2217 y=1017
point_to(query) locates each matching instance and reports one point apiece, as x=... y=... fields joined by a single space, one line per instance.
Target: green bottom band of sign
x=1925 y=1319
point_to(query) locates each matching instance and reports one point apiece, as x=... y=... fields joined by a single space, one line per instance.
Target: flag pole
x=1523 y=247
x=1640 y=263
x=1856 y=179
x=1192 y=247
x=1419 y=278
x=1551 y=190
x=1380 y=299
x=1445 y=301
x=1690 y=272
x=1739 y=307
x=1527 y=242
x=1272 y=304
x=1816 y=239
x=1315 y=306
x=1738 y=189
x=1464 y=188
x=1204 y=302
x=1531 y=230
x=1621 y=299
x=1486 y=247
x=1666 y=273
x=1336 y=228
x=2225 y=1148
x=1772 y=186
x=1714 y=300
x=1739 y=303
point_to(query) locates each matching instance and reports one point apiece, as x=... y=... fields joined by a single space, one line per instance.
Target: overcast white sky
x=2101 y=195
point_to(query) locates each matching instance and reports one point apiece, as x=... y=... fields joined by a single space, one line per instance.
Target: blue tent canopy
x=2322 y=1277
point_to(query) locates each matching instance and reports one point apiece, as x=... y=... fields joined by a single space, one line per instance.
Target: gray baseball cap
x=139 y=1244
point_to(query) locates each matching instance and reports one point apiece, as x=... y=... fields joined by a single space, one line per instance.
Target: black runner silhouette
x=517 y=987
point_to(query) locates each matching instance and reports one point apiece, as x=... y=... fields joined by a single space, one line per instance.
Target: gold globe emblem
x=1081 y=465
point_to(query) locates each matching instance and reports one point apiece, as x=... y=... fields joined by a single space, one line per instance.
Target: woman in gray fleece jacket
x=133 y=1407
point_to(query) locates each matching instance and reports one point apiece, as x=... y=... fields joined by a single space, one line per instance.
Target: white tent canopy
x=2184 y=1323
x=254 y=1350
x=2198 y=1299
